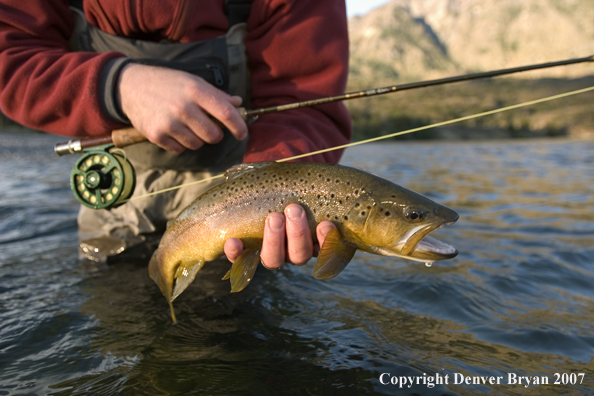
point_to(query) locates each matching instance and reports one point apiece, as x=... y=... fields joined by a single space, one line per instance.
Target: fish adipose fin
x=243 y=269
x=334 y=256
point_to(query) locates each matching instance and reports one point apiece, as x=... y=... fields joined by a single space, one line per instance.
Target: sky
x=356 y=7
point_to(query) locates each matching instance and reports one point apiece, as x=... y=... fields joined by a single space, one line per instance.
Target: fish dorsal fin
x=243 y=269
x=184 y=275
x=240 y=169
x=334 y=256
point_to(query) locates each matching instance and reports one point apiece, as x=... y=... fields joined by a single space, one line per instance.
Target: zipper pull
x=218 y=75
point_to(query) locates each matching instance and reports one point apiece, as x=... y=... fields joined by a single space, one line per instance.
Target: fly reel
x=101 y=179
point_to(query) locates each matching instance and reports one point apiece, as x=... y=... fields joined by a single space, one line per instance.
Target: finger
x=201 y=125
x=223 y=107
x=165 y=142
x=273 y=245
x=322 y=230
x=186 y=137
x=235 y=100
x=233 y=248
x=299 y=242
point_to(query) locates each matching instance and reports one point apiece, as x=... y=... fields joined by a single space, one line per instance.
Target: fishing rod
x=102 y=178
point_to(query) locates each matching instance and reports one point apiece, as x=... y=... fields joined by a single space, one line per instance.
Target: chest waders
x=222 y=62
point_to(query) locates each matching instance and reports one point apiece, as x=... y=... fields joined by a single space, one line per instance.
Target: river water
x=518 y=299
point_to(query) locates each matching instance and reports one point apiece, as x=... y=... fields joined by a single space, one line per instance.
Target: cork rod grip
x=126 y=137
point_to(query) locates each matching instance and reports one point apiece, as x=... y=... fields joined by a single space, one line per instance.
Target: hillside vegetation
x=408 y=40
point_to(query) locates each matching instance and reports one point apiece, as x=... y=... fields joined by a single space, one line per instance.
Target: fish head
x=393 y=221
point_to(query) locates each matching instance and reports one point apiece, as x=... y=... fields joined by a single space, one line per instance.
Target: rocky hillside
x=423 y=39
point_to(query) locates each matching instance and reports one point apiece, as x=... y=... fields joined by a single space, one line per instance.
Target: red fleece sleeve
x=42 y=84
x=298 y=52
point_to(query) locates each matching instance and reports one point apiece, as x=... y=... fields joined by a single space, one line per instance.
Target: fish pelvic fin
x=334 y=256
x=184 y=275
x=243 y=269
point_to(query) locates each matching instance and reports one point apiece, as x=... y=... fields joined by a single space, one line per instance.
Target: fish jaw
x=417 y=245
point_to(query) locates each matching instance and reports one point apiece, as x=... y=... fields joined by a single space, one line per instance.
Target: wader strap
x=237 y=11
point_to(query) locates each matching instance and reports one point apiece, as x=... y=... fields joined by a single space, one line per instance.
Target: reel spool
x=102 y=180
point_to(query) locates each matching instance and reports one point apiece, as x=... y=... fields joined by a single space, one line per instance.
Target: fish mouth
x=430 y=249
x=417 y=245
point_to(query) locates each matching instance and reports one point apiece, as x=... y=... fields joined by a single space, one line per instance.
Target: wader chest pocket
x=212 y=70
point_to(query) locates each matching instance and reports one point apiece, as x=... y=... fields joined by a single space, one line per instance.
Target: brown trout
x=371 y=214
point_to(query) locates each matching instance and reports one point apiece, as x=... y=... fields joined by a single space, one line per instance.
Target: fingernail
x=276 y=223
x=295 y=213
x=324 y=230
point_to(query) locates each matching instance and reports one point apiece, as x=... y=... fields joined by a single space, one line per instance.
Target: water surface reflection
x=517 y=299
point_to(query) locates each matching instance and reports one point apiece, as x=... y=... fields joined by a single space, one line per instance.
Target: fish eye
x=414 y=215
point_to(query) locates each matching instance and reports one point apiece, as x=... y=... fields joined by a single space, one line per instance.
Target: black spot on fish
x=357 y=205
x=363 y=213
x=331 y=195
x=387 y=213
x=368 y=207
x=346 y=217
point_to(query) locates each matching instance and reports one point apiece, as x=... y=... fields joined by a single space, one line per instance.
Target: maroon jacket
x=297 y=49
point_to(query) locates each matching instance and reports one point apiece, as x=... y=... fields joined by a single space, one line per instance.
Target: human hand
x=172 y=108
x=299 y=247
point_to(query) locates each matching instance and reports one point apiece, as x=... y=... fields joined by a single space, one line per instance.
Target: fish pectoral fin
x=184 y=275
x=243 y=269
x=334 y=256
x=227 y=275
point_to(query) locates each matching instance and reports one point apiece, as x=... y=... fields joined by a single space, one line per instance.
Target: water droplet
x=428 y=264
